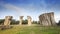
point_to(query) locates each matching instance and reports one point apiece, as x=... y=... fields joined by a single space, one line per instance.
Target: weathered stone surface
x=47 y=19
x=7 y=20
x=21 y=19
x=29 y=20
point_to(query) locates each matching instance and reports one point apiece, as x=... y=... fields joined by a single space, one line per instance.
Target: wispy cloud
x=33 y=8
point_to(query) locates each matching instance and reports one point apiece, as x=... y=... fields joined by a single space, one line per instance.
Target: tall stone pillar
x=47 y=19
x=7 y=20
x=52 y=18
x=21 y=19
x=44 y=20
x=29 y=20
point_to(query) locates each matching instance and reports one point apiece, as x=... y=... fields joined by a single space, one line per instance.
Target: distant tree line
x=15 y=22
x=1 y=21
x=58 y=23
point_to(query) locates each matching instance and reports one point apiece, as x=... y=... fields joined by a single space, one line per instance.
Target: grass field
x=31 y=30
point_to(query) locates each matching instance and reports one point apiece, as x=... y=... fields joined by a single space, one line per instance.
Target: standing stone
x=29 y=20
x=52 y=18
x=47 y=19
x=21 y=19
x=7 y=20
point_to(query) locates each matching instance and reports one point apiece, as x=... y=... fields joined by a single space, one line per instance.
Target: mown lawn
x=31 y=30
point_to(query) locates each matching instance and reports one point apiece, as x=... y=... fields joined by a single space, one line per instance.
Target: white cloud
x=23 y=11
x=57 y=18
x=20 y=10
x=12 y=7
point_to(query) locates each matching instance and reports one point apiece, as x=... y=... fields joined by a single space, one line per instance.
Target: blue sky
x=32 y=8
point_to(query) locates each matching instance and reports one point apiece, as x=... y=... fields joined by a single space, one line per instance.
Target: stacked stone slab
x=47 y=19
x=7 y=20
x=21 y=19
x=29 y=20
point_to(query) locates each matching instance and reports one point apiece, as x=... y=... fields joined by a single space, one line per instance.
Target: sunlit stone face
x=21 y=19
x=8 y=20
x=47 y=19
x=29 y=20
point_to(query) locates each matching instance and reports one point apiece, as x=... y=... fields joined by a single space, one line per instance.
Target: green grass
x=31 y=30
